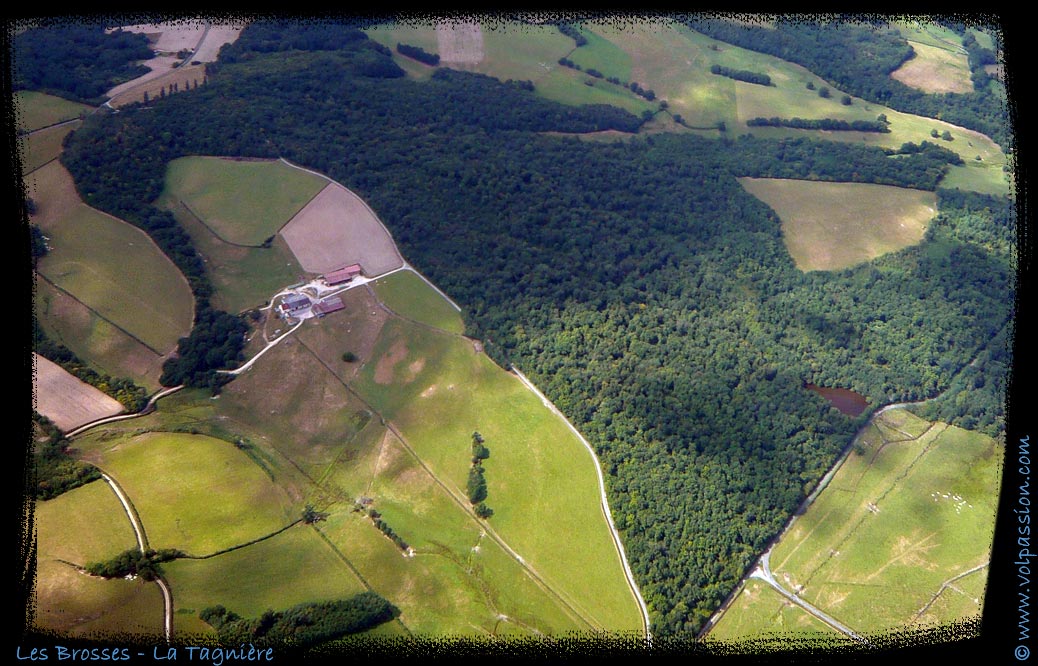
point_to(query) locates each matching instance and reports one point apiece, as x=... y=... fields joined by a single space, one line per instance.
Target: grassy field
x=84 y=525
x=243 y=202
x=194 y=492
x=828 y=226
x=242 y=277
x=900 y=537
x=93 y=338
x=759 y=610
x=36 y=110
x=110 y=266
x=437 y=390
x=293 y=567
x=408 y=295
x=43 y=145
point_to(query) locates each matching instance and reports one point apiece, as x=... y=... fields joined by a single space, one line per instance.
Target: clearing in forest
x=935 y=70
x=829 y=226
x=335 y=229
x=65 y=399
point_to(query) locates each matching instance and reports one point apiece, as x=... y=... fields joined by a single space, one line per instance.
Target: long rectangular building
x=341 y=275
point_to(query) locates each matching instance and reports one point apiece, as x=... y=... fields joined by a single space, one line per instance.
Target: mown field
x=65 y=399
x=828 y=226
x=900 y=538
x=243 y=202
x=43 y=145
x=110 y=266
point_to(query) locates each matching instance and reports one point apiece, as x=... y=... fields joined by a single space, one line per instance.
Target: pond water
x=847 y=401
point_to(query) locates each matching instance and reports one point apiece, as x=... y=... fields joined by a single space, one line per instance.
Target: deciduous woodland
x=635 y=282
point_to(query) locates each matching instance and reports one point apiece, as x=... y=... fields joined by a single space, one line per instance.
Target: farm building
x=342 y=275
x=295 y=304
x=330 y=304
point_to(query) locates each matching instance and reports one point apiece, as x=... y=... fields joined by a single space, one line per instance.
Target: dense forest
x=636 y=282
x=859 y=57
x=78 y=61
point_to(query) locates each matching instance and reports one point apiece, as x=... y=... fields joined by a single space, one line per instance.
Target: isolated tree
x=824 y=92
x=845 y=100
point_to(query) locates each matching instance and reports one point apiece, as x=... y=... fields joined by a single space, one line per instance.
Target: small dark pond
x=847 y=401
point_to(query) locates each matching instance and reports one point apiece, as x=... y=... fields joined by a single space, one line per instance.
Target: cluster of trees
x=383 y=526
x=636 y=282
x=477 y=483
x=134 y=562
x=37 y=244
x=129 y=394
x=859 y=58
x=215 y=343
x=56 y=471
x=573 y=33
x=632 y=86
x=303 y=625
x=77 y=61
x=830 y=124
x=742 y=75
x=419 y=54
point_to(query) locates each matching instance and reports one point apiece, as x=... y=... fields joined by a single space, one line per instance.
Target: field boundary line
x=536 y=577
x=604 y=501
x=216 y=234
x=243 y=545
x=101 y=316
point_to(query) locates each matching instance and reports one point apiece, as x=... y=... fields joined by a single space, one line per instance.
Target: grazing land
x=110 y=266
x=92 y=337
x=66 y=400
x=335 y=229
x=900 y=538
x=242 y=202
x=43 y=145
x=408 y=295
x=935 y=69
x=36 y=110
x=828 y=226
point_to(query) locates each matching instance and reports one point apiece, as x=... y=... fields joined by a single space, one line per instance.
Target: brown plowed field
x=65 y=400
x=337 y=229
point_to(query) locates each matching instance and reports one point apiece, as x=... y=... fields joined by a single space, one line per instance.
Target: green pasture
x=243 y=202
x=979 y=176
x=898 y=521
x=242 y=277
x=759 y=610
x=86 y=524
x=929 y=33
x=293 y=567
x=117 y=271
x=196 y=493
x=74 y=604
x=93 y=338
x=605 y=56
x=407 y=294
x=439 y=392
x=35 y=110
x=43 y=145
x=828 y=226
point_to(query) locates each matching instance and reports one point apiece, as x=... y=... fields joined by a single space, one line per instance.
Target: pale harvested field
x=157 y=81
x=935 y=70
x=828 y=226
x=65 y=400
x=171 y=35
x=337 y=229
x=217 y=36
x=460 y=43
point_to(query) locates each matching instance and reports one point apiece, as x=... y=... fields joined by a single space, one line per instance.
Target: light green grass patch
x=407 y=294
x=116 y=270
x=437 y=390
x=979 y=176
x=293 y=567
x=86 y=524
x=94 y=339
x=242 y=277
x=759 y=610
x=35 y=109
x=242 y=201
x=43 y=145
x=602 y=54
x=893 y=527
x=828 y=226
x=196 y=493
